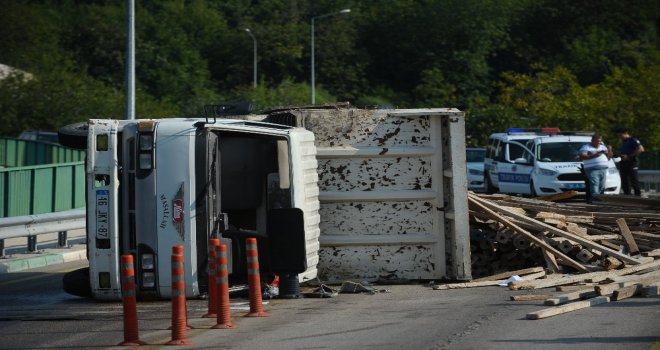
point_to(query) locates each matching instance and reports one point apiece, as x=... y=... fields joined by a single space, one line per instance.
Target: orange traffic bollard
x=131 y=337
x=254 y=279
x=224 y=308
x=212 y=289
x=179 y=320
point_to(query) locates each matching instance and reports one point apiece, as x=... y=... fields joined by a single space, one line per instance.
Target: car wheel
x=532 y=191
x=489 y=188
x=77 y=283
x=73 y=135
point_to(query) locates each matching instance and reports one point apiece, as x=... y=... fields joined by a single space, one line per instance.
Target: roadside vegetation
x=577 y=65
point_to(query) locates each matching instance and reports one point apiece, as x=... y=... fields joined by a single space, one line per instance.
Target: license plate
x=575 y=186
x=102 y=210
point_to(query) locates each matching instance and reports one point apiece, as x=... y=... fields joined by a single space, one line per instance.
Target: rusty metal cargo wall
x=392 y=192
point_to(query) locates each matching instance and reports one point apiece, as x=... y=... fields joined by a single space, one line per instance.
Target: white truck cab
x=538 y=162
x=156 y=183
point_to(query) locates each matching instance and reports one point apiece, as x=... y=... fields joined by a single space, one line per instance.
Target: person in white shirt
x=595 y=157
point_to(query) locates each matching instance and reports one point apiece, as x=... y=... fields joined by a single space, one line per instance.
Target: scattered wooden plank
x=558 y=310
x=545 y=227
x=601 y=237
x=600 y=275
x=645 y=235
x=534 y=276
x=626 y=292
x=558 y=197
x=505 y=275
x=626 y=281
x=567 y=260
x=580 y=294
x=652 y=253
x=530 y=297
x=466 y=285
x=625 y=232
x=574 y=287
x=550 y=260
x=528 y=277
x=610 y=245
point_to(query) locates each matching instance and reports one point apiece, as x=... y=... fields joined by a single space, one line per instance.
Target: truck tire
x=73 y=135
x=77 y=283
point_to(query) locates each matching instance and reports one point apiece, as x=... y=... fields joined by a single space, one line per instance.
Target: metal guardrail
x=30 y=226
x=19 y=153
x=41 y=189
x=649 y=180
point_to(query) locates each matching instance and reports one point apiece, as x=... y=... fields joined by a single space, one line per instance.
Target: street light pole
x=130 y=62
x=313 y=79
x=254 y=65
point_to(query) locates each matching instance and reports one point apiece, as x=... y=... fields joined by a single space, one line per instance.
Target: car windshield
x=476 y=155
x=559 y=151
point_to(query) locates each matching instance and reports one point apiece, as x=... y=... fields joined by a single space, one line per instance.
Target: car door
x=515 y=170
x=494 y=153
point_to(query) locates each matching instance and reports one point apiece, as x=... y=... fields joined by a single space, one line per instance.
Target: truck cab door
x=515 y=170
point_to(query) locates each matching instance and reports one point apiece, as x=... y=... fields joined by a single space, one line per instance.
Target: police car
x=541 y=162
x=501 y=173
x=475 y=168
x=554 y=165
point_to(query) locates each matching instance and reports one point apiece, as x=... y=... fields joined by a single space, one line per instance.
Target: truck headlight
x=475 y=172
x=147 y=262
x=146 y=142
x=145 y=161
x=148 y=280
x=546 y=172
x=104 y=280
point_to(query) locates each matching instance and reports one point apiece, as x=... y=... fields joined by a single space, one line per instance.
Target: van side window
x=499 y=152
x=490 y=149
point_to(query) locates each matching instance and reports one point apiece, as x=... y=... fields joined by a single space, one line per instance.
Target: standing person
x=630 y=150
x=595 y=157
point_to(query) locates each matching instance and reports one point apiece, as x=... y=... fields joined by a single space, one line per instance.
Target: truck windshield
x=559 y=151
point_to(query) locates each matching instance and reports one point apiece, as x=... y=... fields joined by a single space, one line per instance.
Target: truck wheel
x=73 y=135
x=77 y=283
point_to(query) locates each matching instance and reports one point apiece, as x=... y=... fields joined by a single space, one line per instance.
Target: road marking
x=29 y=278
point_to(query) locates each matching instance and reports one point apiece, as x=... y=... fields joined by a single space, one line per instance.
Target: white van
x=501 y=174
x=540 y=162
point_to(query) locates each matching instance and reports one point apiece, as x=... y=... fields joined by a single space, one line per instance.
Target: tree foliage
x=587 y=65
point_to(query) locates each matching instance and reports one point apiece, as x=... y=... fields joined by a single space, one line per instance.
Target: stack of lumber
x=602 y=253
x=509 y=233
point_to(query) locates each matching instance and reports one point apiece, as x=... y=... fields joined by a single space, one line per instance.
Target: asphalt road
x=36 y=314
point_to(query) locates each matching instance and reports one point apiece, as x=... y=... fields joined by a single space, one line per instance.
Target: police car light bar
x=532 y=130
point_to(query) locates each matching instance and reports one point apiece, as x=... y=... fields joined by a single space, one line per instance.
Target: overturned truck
x=334 y=192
